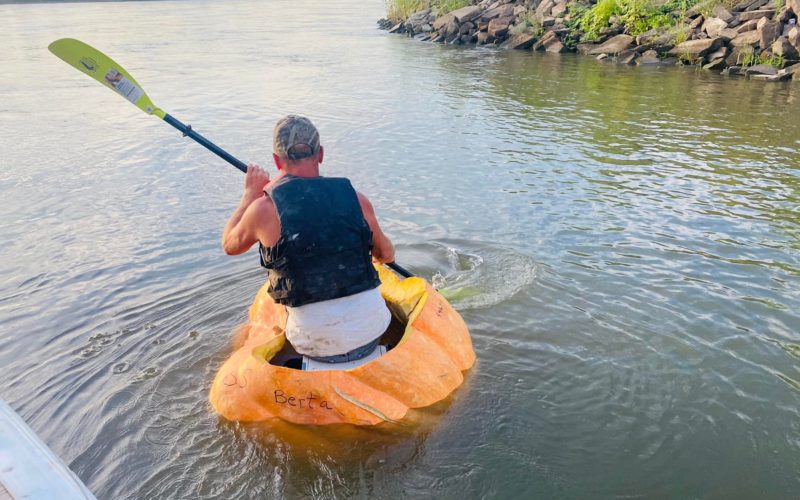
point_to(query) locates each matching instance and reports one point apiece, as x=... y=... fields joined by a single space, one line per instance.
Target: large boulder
x=747 y=39
x=694 y=50
x=519 y=41
x=501 y=11
x=747 y=26
x=467 y=13
x=659 y=39
x=722 y=13
x=794 y=37
x=417 y=20
x=559 y=9
x=728 y=34
x=555 y=46
x=546 y=38
x=761 y=69
x=768 y=32
x=443 y=21
x=713 y=26
x=544 y=8
x=498 y=28
x=628 y=56
x=794 y=6
x=784 y=49
x=756 y=14
x=613 y=45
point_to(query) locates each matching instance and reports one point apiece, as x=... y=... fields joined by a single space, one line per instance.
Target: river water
x=624 y=244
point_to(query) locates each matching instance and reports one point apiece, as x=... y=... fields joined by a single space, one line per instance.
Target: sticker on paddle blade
x=125 y=87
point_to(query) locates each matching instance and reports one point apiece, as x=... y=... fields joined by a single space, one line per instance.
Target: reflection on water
x=624 y=244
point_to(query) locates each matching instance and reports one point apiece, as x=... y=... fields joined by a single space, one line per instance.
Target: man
x=317 y=237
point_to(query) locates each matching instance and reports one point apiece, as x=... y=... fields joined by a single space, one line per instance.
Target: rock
x=384 y=24
x=784 y=49
x=757 y=5
x=747 y=26
x=397 y=28
x=438 y=38
x=648 y=60
x=443 y=21
x=713 y=26
x=467 y=13
x=544 y=8
x=627 y=56
x=738 y=54
x=613 y=45
x=451 y=29
x=498 y=28
x=771 y=78
x=761 y=69
x=466 y=28
x=483 y=37
x=417 y=20
x=601 y=57
x=559 y=10
x=728 y=34
x=659 y=39
x=769 y=31
x=784 y=15
x=694 y=50
x=732 y=71
x=794 y=6
x=794 y=37
x=548 y=21
x=501 y=11
x=716 y=63
x=720 y=52
x=756 y=14
x=519 y=41
x=650 y=53
x=722 y=13
x=743 y=5
x=547 y=37
x=555 y=46
x=466 y=38
x=585 y=48
x=519 y=9
x=696 y=23
x=747 y=39
x=422 y=37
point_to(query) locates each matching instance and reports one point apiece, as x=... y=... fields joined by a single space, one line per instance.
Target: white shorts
x=337 y=326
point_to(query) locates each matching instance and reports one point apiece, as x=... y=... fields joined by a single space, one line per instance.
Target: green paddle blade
x=103 y=69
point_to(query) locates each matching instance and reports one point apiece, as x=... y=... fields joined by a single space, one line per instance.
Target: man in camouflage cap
x=317 y=238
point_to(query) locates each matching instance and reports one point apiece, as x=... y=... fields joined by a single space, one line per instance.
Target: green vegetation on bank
x=637 y=16
x=398 y=10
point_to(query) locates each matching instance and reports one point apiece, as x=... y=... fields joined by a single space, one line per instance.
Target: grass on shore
x=399 y=10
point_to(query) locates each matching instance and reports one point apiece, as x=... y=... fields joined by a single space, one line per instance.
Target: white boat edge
x=28 y=468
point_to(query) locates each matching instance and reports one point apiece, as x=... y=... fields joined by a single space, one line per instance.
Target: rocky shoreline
x=758 y=39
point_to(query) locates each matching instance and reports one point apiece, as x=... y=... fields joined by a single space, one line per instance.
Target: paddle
x=102 y=68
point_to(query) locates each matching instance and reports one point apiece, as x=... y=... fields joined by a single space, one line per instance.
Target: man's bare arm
x=382 y=248
x=240 y=231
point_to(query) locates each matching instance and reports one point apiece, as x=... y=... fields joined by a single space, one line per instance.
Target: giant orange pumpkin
x=422 y=369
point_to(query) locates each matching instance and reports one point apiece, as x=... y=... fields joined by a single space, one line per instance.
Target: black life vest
x=324 y=251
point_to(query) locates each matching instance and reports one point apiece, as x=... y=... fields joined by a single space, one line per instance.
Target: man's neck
x=304 y=170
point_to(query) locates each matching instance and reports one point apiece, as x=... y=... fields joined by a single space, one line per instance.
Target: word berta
x=283 y=399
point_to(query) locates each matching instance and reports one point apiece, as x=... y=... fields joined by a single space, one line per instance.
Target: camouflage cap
x=295 y=138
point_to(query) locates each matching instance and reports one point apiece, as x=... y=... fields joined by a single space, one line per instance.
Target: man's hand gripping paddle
x=102 y=68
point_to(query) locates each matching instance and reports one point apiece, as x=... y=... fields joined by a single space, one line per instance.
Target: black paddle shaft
x=188 y=132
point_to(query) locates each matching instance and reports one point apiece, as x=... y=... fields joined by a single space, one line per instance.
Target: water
x=624 y=244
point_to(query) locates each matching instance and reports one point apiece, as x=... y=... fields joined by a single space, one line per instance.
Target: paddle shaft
x=189 y=132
